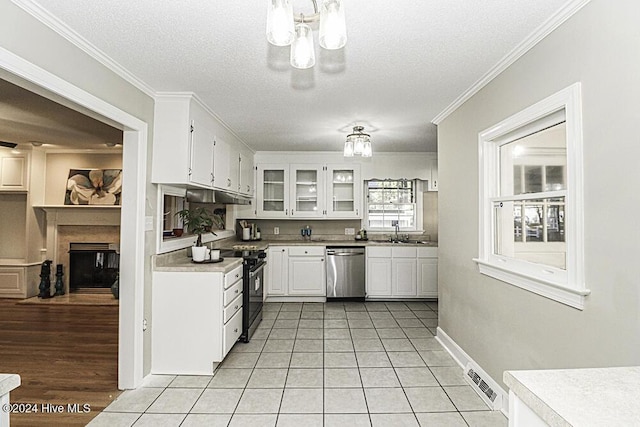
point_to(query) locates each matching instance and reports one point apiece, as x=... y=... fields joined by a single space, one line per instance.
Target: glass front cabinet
x=344 y=191
x=308 y=191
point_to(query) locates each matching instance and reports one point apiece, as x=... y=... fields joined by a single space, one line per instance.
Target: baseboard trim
x=295 y=299
x=462 y=358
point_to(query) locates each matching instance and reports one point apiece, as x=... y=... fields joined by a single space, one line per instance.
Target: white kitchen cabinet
x=277 y=274
x=183 y=139
x=433 y=181
x=344 y=191
x=247 y=176
x=306 y=271
x=428 y=272
x=14 y=172
x=307 y=191
x=222 y=166
x=273 y=191
x=196 y=319
x=378 y=277
x=402 y=272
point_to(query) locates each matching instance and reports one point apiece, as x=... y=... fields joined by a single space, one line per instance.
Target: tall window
x=391 y=200
x=530 y=227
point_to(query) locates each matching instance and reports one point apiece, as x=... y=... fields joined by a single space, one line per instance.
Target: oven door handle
x=252 y=274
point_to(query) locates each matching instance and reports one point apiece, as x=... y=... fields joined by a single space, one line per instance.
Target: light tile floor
x=313 y=364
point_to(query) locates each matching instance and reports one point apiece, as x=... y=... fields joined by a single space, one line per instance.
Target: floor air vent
x=477 y=380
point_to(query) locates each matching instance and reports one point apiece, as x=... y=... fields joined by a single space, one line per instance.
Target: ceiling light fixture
x=358 y=143
x=284 y=29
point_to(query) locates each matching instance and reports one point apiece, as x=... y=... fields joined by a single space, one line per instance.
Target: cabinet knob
x=305 y=252
x=237 y=290
x=236 y=307
x=235 y=330
x=237 y=275
x=248 y=189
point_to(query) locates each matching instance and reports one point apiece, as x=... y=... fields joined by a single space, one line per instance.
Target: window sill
x=562 y=294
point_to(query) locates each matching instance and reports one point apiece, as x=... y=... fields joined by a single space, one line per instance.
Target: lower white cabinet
x=296 y=271
x=196 y=319
x=402 y=272
x=307 y=271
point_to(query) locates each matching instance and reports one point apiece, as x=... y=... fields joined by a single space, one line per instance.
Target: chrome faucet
x=396 y=224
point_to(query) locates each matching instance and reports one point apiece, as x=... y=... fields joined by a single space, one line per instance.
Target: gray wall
x=26 y=37
x=503 y=327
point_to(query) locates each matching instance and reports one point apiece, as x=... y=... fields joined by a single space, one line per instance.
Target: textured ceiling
x=401 y=67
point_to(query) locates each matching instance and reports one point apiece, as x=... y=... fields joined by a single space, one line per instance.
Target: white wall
x=503 y=327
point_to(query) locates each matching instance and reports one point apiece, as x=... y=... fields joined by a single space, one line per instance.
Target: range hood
x=216 y=196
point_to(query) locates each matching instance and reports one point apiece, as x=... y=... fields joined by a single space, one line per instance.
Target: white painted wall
x=503 y=327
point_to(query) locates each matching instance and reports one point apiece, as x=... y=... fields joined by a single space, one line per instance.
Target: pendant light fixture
x=284 y=29
x=358 y=143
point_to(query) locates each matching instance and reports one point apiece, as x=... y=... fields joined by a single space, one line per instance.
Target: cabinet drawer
x=379 y=251
x=404 y=252
x=306 y=251
x=232 y=293
x=427 y=252
x=232 y=331
x=232 y=277
x=232 y=308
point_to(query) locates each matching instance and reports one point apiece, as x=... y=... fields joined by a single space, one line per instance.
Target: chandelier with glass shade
x=284 y=29
x=358 y=143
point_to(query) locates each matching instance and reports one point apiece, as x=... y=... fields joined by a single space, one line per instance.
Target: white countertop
x=580 y=397
x=8 y=382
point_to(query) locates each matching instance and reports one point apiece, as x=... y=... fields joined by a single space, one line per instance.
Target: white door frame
x=132 y=226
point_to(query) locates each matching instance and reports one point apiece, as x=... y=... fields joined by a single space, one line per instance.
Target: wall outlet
x=276 y=230
x=349 y=231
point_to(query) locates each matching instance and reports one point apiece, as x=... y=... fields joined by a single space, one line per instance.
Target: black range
x=254 y=262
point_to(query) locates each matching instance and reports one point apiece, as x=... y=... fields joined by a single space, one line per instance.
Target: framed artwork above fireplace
x=94 y=187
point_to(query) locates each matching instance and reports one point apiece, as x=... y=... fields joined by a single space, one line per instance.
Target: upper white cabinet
x=182 y=142
x=187 y=150
x=14 y=172
x=433 y=182
x=308 y=191
x=344 y=191
x=247 y=179
x=273 y=191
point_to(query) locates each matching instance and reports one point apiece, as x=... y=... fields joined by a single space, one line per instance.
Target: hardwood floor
x=65 y=354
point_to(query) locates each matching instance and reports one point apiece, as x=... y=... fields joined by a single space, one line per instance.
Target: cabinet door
x=428 y=277
x=307 y=276
x=307 y=191
x=221 y=165
x=13 y=173
x=277 y=271
x=246 y=173
x=344 y=191
x=201 y=155
x=433 y=182
x=404 y=282
x=273 y=191
x=378 y=277
x=234 y=169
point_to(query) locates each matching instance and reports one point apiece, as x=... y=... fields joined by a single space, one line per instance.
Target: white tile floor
x=335 y=364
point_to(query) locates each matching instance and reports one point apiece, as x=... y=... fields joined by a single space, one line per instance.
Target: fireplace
x=92 y=266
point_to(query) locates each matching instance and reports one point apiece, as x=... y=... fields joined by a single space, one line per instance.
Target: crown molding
x=196 y=98
x=527 y=44
x=44 y=16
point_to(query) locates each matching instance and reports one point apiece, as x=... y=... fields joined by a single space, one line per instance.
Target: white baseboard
x=462 y=358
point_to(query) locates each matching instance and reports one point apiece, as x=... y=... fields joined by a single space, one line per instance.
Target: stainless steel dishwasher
x=345 y=272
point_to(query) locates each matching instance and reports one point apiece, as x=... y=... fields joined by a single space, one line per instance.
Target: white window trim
x=418 y=214
x=567 y=287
